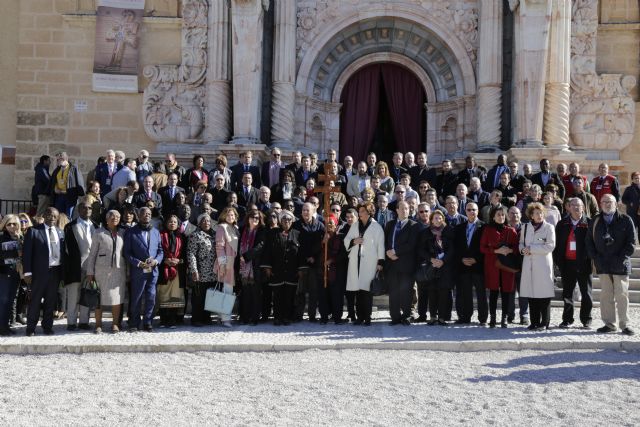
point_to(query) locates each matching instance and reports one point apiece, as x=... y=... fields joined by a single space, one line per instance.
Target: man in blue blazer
x=143 y=251
x=43 y=261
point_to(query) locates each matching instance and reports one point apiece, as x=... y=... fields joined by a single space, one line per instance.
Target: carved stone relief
x=602 y=110
x=315 y=15
x=174 y=100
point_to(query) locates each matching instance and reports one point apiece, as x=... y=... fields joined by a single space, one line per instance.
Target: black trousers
x=523 y=302
x=468 y=283
x=44 y=295
x=363 y=304
x=250 y=301
x=198 y=295
x=423 y=299
x=267 y=300
x=331 y=300
x=351 y=303
x=309 y=285
x=540 y=311
x=569 y=278
x=400 y=294
x=439 y=302
x=283 y=302
x=493 y=303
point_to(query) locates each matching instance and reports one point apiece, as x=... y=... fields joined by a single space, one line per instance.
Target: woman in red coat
x=498 y=239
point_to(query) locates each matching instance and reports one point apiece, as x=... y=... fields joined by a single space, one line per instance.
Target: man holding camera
x=610 y=243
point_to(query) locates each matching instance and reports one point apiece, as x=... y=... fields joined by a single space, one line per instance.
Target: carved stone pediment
x=174 y=100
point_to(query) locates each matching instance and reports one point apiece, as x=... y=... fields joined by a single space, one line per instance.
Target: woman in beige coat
x=226 y=251
x=537 y=241
x=106 y=265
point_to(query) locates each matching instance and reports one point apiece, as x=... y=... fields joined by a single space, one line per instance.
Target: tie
x=470 y=228
x=149 y=196
x=246 y=168
x=88 y=231
x=395 y=232
x=53 y=246
x=246 y=194
x=172 y=192
x=461 y=210
x=182 y=227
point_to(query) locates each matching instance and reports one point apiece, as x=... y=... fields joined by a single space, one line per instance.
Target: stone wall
x=55 y=59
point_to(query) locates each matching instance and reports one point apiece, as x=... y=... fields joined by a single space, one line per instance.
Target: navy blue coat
x=35 y=251
x=137 y=250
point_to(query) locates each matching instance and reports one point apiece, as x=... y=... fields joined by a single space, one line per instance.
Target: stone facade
x=580 y=104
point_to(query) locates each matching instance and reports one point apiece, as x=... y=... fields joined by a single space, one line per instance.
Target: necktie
x=246 y=168
x=395 y=232
x=246 y=193
x=54 y=250
x=470 y=228
x=172 y=192
x=149 y=196
x=88 y=232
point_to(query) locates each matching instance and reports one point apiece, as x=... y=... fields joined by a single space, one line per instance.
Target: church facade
x=534 y=78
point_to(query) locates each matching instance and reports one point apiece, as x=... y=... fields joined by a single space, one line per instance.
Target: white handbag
x=216 y=301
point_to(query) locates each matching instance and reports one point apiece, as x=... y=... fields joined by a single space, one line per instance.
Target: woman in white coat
x=365 y=245
x=537 y=241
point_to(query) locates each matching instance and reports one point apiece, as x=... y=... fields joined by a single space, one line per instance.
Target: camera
x=608 y=239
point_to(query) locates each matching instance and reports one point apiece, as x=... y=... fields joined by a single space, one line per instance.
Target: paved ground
x=305 y=335
x=314 y=387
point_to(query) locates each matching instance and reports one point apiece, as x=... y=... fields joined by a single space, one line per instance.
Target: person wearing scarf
x=498 y=239
x=537 y=242
x=331 y=297
x=10 y=265
x=251 y=245
x=106 y=266
x=170 y=291
x=436 y=249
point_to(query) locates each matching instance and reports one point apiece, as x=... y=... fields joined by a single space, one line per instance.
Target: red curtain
x=405 y=98
x=361 y=102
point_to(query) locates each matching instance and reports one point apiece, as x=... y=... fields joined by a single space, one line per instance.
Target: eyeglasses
x=276 y=155
x=399 y=192
x=335 y=210
x=13 y=223
x=255 y=217
x=423 y=211
x=219 y=179
x=286 y=218
x=471 y=210
x=24 y=221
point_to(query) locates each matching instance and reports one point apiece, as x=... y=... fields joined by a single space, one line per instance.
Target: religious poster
x=118 y=31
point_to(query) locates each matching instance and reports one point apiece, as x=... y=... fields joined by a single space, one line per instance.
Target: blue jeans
x=62 y=204
x=8 y=288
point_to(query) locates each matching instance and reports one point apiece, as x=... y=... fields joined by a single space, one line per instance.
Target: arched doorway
x=382 y=111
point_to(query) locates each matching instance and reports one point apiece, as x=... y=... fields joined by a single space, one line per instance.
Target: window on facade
x=8 y=155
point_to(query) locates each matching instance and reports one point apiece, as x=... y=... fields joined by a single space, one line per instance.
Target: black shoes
x=71 y=327
x=406 y=322
x=524 y=321
x=628 y=331
x=148 y=328
x=367 y=322
x=49 y=332
x=395 y=322
x=605 y=330
x=564 y=325
x=420 y=319
x=84 y=326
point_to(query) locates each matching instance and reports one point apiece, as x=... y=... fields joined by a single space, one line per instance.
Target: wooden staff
x=326 y=189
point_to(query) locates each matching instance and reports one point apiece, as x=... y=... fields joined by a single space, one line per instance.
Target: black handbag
x=427 y=273
x=89 y=294
x=379 y=285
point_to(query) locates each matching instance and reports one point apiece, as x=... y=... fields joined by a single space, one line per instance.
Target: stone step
x=634 y=295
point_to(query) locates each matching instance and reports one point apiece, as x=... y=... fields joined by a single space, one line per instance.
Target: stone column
x=218 y=119
x=490 y=76
x=247 y=29
x=557 y=105
x=284 y=73
x=532 y=19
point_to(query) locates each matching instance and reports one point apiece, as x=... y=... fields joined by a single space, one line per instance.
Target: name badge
x=572 y=246
x=108 y=181
x=598 y=187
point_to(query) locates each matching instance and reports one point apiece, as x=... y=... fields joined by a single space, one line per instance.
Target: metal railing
x=8 y=206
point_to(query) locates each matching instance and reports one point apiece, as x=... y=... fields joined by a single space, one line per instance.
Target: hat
x=203 y=216
x=333 y=219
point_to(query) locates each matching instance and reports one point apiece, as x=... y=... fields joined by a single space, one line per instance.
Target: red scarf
x=169 y=272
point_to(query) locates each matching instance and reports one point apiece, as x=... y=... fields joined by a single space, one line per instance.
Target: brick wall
x=55 y=60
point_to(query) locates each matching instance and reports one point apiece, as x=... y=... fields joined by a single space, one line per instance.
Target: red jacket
x=609 y=185
x=492 y=239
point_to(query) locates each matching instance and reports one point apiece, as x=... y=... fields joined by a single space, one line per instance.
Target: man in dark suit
x=446 y=182
x=516 y=180
x=546 y=177
x=42 y=182
x=143 y=252
x=168 y=194
x=238 y=171
x=272 y=170
x=470 y=265
x=247 y=193
x=396 y=170
x=493 y=176
x=77 y=237
x=305 y=172
x=400 y=245
x=42 y=263
x=219 y=193
x=422 y=172
x=296 y=163
x=146 y=193
x=470 y=170
x=105 y=172
x=477 y=194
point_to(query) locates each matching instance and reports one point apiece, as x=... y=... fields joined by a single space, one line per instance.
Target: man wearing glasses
x=144 y=168
x=469 y=265
x=272 y=170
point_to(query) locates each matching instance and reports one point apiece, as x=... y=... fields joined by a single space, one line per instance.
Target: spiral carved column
x=556 y=115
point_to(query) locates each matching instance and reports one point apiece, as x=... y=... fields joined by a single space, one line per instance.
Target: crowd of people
x=156 y=236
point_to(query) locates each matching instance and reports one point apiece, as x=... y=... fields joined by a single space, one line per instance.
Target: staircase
x=634 y=284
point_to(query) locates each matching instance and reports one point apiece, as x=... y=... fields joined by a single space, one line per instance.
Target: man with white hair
x=409 y=160
x=120 y=157
x=610 y=243
x=105 y=172
x=476 y=193
x=145 y=167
